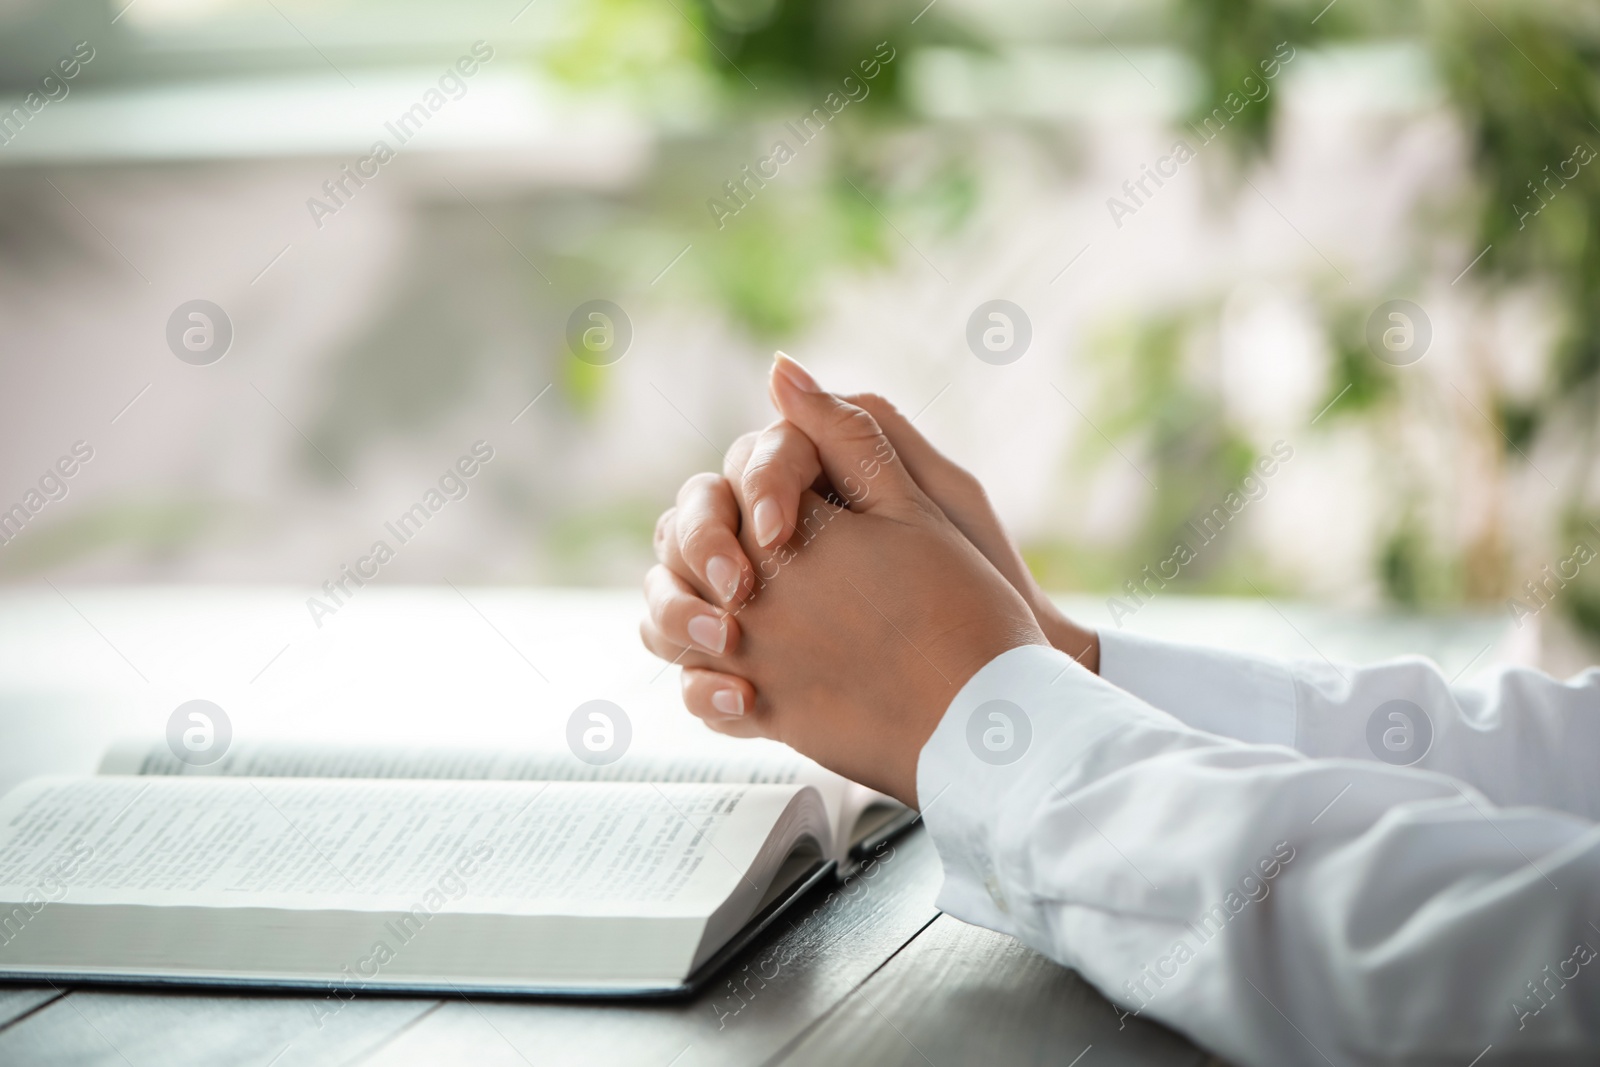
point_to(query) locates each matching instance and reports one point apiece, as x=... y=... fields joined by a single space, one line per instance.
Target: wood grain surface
x=960 y=994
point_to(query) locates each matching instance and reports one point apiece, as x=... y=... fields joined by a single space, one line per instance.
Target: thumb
x=857 y=457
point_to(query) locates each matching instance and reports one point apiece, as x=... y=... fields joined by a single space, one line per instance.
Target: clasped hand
x=837 y=585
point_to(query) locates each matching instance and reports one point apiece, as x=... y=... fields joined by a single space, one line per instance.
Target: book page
x=291 y=759
x=517 y=848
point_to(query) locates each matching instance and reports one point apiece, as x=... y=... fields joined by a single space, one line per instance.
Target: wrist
x=1082 y=644
x=980 y=647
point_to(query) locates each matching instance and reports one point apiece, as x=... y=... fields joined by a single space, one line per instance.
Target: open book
x=410 y=869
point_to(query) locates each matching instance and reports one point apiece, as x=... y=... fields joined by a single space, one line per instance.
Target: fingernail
x=728 y=701
x=723 y=573
x=768 y=520
x=797 y=375
x=709 y=633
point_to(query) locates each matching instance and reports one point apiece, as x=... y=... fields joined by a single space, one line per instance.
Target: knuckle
x=657 y=585
x=762 y=470
x=738 y=454
x=664 y=524
x=698 y=539
x=697 y=485
x=647 y=636
x=879 y=407
x=703 y=481
x=855 y=423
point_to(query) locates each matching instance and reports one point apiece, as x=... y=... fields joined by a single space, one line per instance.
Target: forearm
x=1521 y=737
x=1227 y=889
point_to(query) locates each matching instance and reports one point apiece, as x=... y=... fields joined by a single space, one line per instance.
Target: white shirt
x=1212 y=841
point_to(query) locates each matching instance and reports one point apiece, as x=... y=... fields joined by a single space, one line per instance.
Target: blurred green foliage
x=1527 y=110
x=755 y=65
x=1521 y=76
x=1156 y=395
x=1156 y=388
x=1524 y=80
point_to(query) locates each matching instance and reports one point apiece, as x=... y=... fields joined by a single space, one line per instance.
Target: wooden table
x=870 y=972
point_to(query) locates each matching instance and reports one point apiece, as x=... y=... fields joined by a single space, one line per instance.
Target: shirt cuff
x=1230 y=694
x=1016 y=727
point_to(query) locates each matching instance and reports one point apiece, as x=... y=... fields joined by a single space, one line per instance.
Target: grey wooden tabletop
x=865 y=972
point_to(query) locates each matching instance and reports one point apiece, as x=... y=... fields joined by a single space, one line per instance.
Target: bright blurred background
x=1345 y=155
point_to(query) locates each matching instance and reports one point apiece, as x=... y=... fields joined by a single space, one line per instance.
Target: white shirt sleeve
x=1519 y=736
x=1277 y=908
